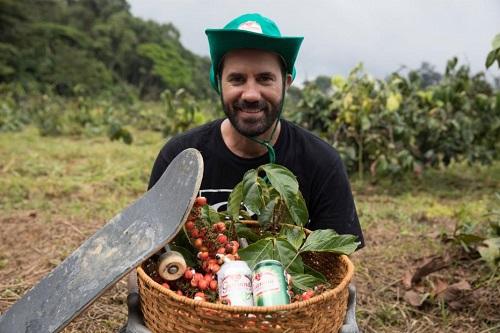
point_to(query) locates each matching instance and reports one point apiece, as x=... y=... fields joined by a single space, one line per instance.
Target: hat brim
x=222 y=41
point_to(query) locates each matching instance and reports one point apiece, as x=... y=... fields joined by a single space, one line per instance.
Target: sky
x=338 y=34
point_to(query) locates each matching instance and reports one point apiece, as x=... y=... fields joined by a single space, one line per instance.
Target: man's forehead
x=254 y=57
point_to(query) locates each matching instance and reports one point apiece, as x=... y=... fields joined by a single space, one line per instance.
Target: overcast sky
x=383 y=34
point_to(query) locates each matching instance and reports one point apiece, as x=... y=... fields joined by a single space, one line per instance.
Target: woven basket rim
x=253 y=309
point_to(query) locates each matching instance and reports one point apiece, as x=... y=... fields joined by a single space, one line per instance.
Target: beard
x=257 y=118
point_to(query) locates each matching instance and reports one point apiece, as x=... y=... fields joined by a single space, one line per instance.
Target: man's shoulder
x=198 y=133
x=310 y=144
x=196 y=137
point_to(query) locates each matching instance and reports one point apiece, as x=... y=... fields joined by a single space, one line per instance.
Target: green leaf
x=285 y=182
x=294 y=235
x=252 y=192
x=266 y=190
x=234 y=202
x=246 y=215
x=282 y=179
x=188 y=255
x=329 y=241
x=491 y=252
x=495 y=44
x=298 y=210
x=286 y=254
x=315 y=273
x=491 y=57
x=266 y=215
x=305 y=281
x=468 y=239
x=256 y=252
x=210 y=214
x=365 y=123
x=246 y=232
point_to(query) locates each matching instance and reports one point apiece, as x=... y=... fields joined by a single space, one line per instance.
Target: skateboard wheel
x=171 y=265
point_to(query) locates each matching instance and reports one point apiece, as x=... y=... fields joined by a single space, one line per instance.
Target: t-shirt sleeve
x=333 y=205
x=166 y=155
x=159 y=168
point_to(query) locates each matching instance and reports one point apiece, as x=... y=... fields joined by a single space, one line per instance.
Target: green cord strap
x=270 y=149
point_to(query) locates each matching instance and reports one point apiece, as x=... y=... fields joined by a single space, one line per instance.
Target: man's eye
x=236 y=79
x=266 y=78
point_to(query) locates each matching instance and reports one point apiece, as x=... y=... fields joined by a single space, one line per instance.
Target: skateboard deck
x=128 y=239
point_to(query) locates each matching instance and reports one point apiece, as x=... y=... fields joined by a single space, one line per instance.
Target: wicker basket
x=165 y=311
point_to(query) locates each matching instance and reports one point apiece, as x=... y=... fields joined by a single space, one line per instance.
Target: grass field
x=55 y=192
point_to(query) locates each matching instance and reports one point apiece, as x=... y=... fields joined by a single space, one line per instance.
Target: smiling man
x=252 y=67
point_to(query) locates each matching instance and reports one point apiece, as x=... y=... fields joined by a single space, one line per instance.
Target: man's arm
x=332 y=204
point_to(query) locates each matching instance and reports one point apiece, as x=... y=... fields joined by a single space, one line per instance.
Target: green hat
x=251 y=31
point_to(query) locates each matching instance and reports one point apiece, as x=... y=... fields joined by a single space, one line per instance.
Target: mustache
x=242 y=104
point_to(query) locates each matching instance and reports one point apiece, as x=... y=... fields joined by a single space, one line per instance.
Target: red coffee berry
x=188 y=274
x=199 y=296
x=201 y=201
x=213 y=285
x=203 y=284
x=222 y=239
x=198 y=243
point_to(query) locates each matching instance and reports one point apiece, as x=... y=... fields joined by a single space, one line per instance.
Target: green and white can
x=269 y=284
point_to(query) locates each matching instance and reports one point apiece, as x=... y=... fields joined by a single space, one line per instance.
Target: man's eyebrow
x=234 y=74
x=267 y=74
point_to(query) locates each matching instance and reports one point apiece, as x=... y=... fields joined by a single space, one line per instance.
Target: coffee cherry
x=203 y=284
x=198 y=243
x=188 y=274
x=199 y=296
x=213 y=285
x=201 y=201
x=222 y=239
x=189 y=225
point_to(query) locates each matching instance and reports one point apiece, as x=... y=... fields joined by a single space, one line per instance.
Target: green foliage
x=276 y=201
x=95 y=45
x=116 y=131
x=483 y=237
x=172 y=70
x=282 y=213
x=182 y=112
x=392 y=126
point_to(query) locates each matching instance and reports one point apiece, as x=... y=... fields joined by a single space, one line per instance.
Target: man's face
x=251 y=88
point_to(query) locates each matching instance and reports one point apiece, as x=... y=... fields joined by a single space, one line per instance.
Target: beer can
x=269 y=284
x=235 y=283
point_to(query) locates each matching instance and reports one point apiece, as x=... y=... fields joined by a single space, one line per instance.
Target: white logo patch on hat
x=250 y=26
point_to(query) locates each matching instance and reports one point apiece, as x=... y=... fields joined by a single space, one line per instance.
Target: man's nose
x=251 y=92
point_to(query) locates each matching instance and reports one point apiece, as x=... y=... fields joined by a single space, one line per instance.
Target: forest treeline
x=75 y=47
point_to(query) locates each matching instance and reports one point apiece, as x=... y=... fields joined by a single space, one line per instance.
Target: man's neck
x=244 y=147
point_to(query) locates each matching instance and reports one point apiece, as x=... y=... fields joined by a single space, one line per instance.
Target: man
x=252 y=67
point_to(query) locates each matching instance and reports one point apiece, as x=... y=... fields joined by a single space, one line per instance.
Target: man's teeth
x=251 y=110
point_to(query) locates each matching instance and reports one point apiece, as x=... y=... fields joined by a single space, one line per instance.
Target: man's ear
x=288 y=82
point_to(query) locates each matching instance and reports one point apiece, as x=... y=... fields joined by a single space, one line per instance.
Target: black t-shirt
x=320 y=172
